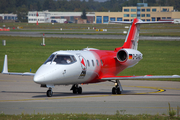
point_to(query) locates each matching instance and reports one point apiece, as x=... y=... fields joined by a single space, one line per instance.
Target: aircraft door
x=83 y=66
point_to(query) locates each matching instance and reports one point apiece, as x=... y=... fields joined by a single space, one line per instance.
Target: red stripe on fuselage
x=109 y=66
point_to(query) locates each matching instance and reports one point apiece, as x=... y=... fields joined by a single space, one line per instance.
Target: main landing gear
x=49 y=92
x=76 y=89
x=118 y=88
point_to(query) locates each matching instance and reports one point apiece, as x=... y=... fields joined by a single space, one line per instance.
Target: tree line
x=21 y=7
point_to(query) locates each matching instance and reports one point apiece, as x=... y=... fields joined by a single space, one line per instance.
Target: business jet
x=91 y=65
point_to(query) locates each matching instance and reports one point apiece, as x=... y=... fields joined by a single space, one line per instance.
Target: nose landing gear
x=49 y=92
x=76 y=89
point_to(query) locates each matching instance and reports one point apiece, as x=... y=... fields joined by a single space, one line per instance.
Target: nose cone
x=44 y=74
x=38 y=78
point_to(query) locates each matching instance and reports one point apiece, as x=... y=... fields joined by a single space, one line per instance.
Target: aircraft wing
x=5 y=70
x=138 y=77
x=23 y=74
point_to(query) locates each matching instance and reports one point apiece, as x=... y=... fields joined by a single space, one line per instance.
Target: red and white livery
x=91 y=65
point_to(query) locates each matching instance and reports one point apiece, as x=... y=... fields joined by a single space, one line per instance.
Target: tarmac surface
x=66 y=35
x=19 y=94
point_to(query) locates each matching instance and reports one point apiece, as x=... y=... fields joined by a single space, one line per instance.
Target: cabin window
x=97 y=62
x=101 y=62
x=92 y=62
x=88 y=63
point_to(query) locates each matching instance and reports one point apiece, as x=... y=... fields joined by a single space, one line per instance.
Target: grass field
x=25 y=53
x=117 y=116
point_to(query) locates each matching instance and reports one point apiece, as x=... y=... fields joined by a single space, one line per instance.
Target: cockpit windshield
x=60 y=59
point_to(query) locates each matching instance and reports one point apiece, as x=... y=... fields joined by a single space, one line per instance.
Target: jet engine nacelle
x=129 y=57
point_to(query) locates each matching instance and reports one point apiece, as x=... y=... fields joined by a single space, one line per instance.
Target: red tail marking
x=131 y=37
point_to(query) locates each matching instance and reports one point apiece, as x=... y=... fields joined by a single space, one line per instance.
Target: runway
x=69 y=35
x=19 y=94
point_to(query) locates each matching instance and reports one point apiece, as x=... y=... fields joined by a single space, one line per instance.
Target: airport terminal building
x=141 y=11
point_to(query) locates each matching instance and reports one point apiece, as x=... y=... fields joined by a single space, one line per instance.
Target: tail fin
x=132 y=38
x=5 y=67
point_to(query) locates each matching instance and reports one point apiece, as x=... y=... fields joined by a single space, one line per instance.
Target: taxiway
x=69 y=35
x=19 y=94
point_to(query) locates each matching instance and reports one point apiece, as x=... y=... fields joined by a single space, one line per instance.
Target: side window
x=97 y=62
x=101 y=62
x=92 y=62
x=88 y=63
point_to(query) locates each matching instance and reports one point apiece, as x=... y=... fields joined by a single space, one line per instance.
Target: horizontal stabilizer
x=123 y=22
x=141 y=22
x=139 y=77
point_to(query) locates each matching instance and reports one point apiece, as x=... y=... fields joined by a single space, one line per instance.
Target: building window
x=133 y=10
x=142 y=15
x=126 y=15
x=148 y=15
x=142 y=10
x=148 y=10
x=71 y=18
x=126 y=19
x=112 y=19
x=148 y=20
x=133 y=15
x=105 y=19
x=138 y=9
x=62 y=17
x=119 y=19
x=164 y=10
x=143 y=19
x=126 y=10
x=163 y=17
x=153 y=19
x=99 y=19
x=154 y=10
x=168 y=17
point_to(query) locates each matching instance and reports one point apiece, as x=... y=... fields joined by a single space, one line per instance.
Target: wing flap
x=139 y=77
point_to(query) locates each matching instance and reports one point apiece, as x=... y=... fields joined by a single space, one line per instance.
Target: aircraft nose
x=38 y=78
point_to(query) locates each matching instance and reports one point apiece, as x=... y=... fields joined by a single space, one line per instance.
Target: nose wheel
x=76 y=89
x=49 y=92
x=118 y=88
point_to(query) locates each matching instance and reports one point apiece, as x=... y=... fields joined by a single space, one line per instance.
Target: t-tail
x=132 y=38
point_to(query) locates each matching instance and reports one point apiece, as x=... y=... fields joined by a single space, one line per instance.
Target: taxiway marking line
x=158 y=91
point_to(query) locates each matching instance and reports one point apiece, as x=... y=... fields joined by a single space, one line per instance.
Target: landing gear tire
x=49 y=93
x=113 y=90
x=79 y=90
x=118 y=88
x=76 y=89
